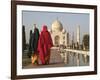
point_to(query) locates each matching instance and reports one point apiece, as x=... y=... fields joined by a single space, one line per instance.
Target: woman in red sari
x=44 y=45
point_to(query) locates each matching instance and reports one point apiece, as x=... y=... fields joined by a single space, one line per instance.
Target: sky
x=70 y=21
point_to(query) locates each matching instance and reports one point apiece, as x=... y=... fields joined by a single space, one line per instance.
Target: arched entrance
x=57 y=40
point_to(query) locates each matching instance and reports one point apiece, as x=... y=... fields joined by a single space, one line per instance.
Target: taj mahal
x=60 y=36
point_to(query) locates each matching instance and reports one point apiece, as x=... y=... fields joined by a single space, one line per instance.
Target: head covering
x=44 y=28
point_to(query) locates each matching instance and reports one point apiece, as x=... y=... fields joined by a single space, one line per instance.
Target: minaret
x=67 y=39
x=78 y=34
x=73 y=37
x=73 y=40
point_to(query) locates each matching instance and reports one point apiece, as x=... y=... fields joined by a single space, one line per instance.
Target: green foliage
x=86 y=41
x=23 y=38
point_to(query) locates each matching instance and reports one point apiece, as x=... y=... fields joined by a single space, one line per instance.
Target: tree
x=30 y=33
x=86 y=42
x=30 y=40
x=23 y=38
x=30 y=44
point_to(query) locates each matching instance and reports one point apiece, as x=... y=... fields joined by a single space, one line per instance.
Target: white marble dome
x=57 y=26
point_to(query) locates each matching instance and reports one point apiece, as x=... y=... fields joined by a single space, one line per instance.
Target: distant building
x=78 y=37
x=59 y=35
x=78 y=34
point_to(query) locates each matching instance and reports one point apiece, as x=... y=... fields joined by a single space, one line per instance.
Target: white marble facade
x=59 y=34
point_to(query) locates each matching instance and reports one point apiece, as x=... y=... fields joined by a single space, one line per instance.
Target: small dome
x=50 y=30
x=57 y=26
x=63 y=31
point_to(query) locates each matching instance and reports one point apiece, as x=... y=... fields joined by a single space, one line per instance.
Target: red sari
x=44 y=45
